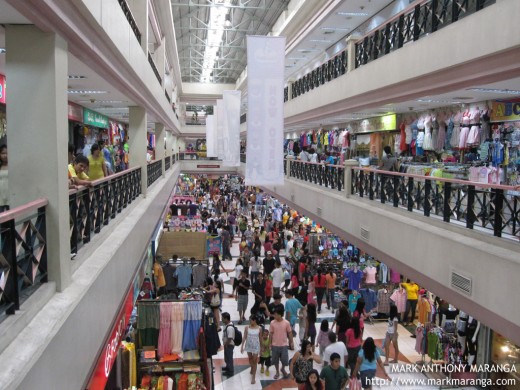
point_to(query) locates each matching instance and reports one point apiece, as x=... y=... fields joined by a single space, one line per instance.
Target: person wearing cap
x=269 y=263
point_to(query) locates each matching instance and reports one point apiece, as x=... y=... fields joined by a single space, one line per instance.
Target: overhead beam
x=242 y=4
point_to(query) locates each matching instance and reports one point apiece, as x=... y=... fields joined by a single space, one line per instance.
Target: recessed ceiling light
x=334 y=29
x=84 y=92
x=352 y=13
x=321 y=40
x=491 y=90
x=76 y=77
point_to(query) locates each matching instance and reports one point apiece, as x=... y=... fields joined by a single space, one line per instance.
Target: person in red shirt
x=268 y=288
x=320 y=285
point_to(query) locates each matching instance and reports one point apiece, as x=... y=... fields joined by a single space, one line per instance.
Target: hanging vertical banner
x=232 y=146
x=265 y=83
x=221 y=134
x=210 y=137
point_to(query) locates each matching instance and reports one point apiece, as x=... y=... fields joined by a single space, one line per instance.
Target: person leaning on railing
x=77 y=170
x=388 y=162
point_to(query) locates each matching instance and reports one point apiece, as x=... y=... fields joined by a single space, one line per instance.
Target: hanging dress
x=427 y=143
x=464 y=131
x=474 y=132
x=402 y=142
x=435 y=132
x=441 y=136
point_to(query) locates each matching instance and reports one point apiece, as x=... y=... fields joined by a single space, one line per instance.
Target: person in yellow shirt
x=158 y=275
x=77 y=171
x=412 y=290
x=97 y=168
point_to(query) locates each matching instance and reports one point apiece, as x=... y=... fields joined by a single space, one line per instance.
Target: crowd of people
x=273 y=266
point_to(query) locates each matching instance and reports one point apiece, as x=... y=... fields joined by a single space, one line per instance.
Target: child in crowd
x=265 y=352
x=322 y=341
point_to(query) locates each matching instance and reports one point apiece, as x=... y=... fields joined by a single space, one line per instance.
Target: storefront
x=371 y=135
x=506 y=356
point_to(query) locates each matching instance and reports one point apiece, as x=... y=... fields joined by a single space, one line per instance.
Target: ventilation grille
x=365 y=234
x=292 y=197
x=319 y=211
x=461 y=283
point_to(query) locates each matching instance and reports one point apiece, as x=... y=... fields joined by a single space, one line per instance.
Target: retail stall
x=183 y=244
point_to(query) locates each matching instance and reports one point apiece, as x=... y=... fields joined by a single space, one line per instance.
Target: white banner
x=221 y=135
x=232 y=146
x=265 y=82
x=210 y=137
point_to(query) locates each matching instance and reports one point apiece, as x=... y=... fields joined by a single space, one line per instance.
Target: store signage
x=505 y=110
x=208 y=166
x=75 y=112
x=2 y=89
x=94 y=119
x=382 y=123
x=213 y=245
x=108 y=355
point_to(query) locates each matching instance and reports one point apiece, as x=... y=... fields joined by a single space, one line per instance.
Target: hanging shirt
x=370 y=298
x=200 y=273
x=183 y=274
x=383 y=301
x=371 y=273
x=399 y=297
x=354 y=279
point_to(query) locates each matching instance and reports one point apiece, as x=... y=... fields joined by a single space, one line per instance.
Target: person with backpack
x=231 y=337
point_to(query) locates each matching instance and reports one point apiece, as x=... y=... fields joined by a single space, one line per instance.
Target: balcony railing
x=23 y=263
x=243 y=158
x=92 y=208
x=130 y=18
x=167 y=163
x=412 y=24
x=154 y=68
x=195 y=156
x=488 y=207
x=154 y=170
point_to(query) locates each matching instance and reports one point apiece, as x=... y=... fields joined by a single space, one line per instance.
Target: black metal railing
x=243 y=118
x=330 y=176
x=167 y=163
x=130 y=18
x=154 y=68
x=195 y=156
x=489 y=207
x=167 y=96
x=412 y=24
x=92 y=208
x=243 y=158
x=154 y=170
x=286 y=94
x=328 y=71
x=23 y=261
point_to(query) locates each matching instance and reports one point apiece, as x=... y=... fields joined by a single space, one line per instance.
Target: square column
x=169 y=143
x=139 y=9
x=137 y=143
x=37 y=67
x=159 y=144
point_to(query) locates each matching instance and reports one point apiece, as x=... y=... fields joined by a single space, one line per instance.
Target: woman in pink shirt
x=354 y=337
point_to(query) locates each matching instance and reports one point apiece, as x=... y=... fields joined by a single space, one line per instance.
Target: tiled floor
x=242 y=377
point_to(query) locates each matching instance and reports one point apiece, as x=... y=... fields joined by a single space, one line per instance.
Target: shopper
x=229 y=344
x=216 y=267
x=215 y=290
x=341 y=321
x=226 y=243
x=97 y=168
x=335 y=375
x=319 y=284
x=265 y=352
x=242 y=295
x=335 y=347
x=77 y=171
x=158 y=275
x=269 y=263
x=275 y=305
x=251 y=345
x=313 y=382
x=278 y=277
x=302 y=362
x=292 y=306
x=412 y=291
x=310 y=326
x=392 y=335
x=331 y=289
x=388 y=162
x=322 y=341
x=354 y=338
x=367 y=362
x=280 y=339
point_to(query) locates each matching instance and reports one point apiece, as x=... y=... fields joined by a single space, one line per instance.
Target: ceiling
x=191 y=22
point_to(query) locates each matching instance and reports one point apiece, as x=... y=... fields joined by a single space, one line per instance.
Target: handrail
x=23 y=209
x=130 y=18
x=441 y=179
x=100 y=181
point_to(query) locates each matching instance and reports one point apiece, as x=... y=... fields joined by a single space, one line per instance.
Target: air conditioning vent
x=365 y=234
x=328 y=32
x=319 y=211
x=461 y=283
x=292 y=198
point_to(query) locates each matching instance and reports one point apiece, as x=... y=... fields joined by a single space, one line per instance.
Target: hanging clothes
x=191 y=326
x=164 y=344
x=177 y=326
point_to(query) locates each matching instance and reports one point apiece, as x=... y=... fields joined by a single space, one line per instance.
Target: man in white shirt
x=337 y=347
x=227 y=338
x=278 y=278
x=290 y=244
x=304 y=156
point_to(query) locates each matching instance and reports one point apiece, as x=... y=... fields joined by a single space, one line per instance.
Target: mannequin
x=427 y=143
x=370 y=274
x=455 y=135
x=441 y=136
x=471 y=339
x=448 y=321
x=462 y=326
x=464 y=132
x=474 y=132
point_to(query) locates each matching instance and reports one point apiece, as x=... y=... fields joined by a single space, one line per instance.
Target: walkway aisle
x=242 y=378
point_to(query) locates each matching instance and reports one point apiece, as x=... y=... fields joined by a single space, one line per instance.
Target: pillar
x=140 y=11
x=351 y=52
x=36 y=68
x=348 y=176
x=159 y=144
x=169 y=143
x=288 y=165
x=137 y=143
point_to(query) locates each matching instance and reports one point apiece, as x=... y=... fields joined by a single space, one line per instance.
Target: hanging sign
x=75 y=112
x=213 y=245
x=94 y=119
x=505 y=110
x=2 y=89
x=381 y=123
x=210 y=137
x=231 y=156
x=221 y=125
x=265 y=84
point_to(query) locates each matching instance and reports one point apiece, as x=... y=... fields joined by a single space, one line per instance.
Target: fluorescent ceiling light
x=218 y=17
x=437 y=101
x=101 y=101
x=308 y=50
x=491 y=90
x=321 y=40
x=334 y=29
x=76 y=77
x=84 y=92
x=352 y=13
